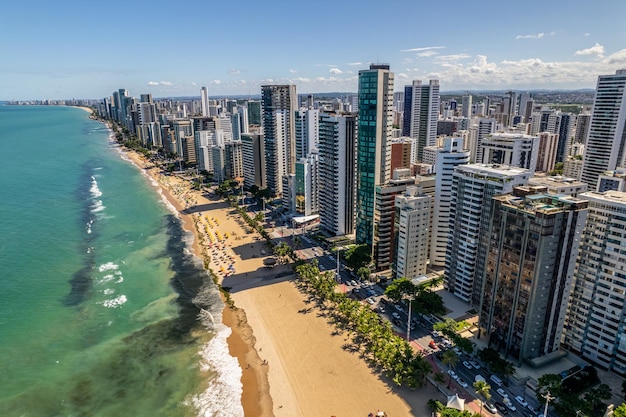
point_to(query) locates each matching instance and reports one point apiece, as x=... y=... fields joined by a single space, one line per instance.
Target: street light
x=408 y=320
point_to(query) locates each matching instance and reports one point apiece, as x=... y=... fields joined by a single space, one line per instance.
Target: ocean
x=104 y=311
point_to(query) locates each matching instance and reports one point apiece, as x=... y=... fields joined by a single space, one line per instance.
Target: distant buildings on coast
x=472 y=187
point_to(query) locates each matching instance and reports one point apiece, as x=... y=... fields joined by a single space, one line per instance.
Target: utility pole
x=548 y=398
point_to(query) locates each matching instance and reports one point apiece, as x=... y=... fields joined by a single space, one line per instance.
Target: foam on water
x=223 y=394
x=109 y=266
x=97 y=206
x=115 y=302
x=94 y=190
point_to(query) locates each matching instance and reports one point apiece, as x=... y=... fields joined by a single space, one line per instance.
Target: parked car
x=370 y=301
x=501 y=407
x=502 y=393
x=509 y=404
x=452 y=374
x=432 y=344
x=468 y=365
x=395 y=315
x=521 y=401
x=490 y=407
x=462 y=383
x=474 y=365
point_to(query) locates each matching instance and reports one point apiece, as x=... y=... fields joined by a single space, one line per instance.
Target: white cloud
x=293 y=71
x=216 y=82
x=335 y=71
x=454 y=57
x=426 y=54
x=586 y=34
x=618 y=57
x=168 y=83
x=534 y=36
x=424 y=48
x=301 y=80
x=233 y=71
x=597 y=50
x=355 y=64
x=194 y=84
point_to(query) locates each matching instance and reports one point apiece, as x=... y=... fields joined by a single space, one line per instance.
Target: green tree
x=358 y=256
x=439 y=378
x=363 y=272
x=483 y=390
x=450 y=359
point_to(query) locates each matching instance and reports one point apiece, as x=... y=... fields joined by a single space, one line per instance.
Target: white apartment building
x=595 y=322
x=450 y=156
x=473 y=187
x=412 y=221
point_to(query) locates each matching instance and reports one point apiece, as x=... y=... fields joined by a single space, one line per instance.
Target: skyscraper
x=279 y=107
x=448 y=158
x=595 y=320
x=473 y=186
x=375 y=125
x=337 y=172
x=531 y=255
x=204 y=97
x=604 y=148
x=412 y=221
x=421 y=111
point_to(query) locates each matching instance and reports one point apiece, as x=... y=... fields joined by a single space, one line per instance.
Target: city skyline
x=81 y=51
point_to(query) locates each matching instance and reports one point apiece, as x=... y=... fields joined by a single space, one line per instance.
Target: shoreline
x=293 y=361
x=256 y=399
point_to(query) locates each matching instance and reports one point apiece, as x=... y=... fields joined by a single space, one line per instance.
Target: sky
x=88 y=49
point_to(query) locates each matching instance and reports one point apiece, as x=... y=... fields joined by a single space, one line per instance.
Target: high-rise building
x=279 y=107
x=604 y=148
x=306 y=184
x=448 y=158
x=546 y=151
x=401 y=153
x=375 y=124
x=531 y=252
x=582 y=128
x=204 y=98
x=421 y=111
x=466 y=104
x=307 y=131
x=512 y=149
x=384 y=213
x=337 y=172
x=595 y=319
x=254 y=112
x=473 y=186
x=412 y=221
x=253 y=160
x=485 y=128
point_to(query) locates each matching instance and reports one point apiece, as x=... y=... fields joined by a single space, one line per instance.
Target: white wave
x=108 y=291
x=109 y=266
x=223 y=394
x=97 y=206
x=97 y=168
x=105 y=279
x=94 y=189
x=89 y=223
x=115 y=302
x=120 y=280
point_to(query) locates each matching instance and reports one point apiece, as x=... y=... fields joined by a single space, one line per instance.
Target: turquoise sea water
x=99 y=298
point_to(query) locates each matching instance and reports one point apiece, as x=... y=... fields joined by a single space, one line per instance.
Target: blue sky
x=83 y=49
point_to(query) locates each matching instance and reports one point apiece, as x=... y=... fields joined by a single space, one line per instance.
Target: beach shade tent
x=454 y=401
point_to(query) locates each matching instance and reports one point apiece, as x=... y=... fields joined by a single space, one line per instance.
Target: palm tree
x=439 y=378
x=482 y=389
x=450 y=358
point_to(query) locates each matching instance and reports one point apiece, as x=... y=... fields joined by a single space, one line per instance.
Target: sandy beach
x=293 y=363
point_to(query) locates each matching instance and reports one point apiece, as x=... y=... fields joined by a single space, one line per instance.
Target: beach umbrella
x=454 y=401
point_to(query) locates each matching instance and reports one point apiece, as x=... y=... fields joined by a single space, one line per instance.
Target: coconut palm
x=482 y=389
x=450 y=359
